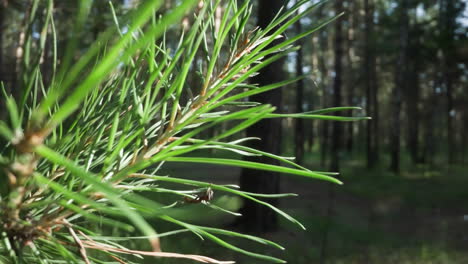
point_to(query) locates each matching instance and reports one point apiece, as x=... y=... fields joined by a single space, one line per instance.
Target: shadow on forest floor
x=378 y=217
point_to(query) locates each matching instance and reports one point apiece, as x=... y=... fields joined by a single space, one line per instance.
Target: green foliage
x=74 y=181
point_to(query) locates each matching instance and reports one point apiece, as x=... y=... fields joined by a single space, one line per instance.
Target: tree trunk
x=430 y=121
x=322 y=66
x=337 y=83
x=412 y=99
x=399 y=86
x=312 y=96
x=450 y=110
x=2 y=29
x=375 y=114
x=2 y=18
x=370 y=80
x=351 y=80
x=256 y=217
x=325 y=131
x=447 y=28
x=464 y=143
x=2 y=71
x=367 y=80
x=337 y=128
x=299 y=136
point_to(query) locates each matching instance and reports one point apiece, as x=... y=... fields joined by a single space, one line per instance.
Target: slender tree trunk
x=370 y=79
x=375 y=114
x=2 y=71
x=450 y=113
x=325 y=131
x=337 y=128
x=2 y=29
x=367 y=80
x=448 y=22
x=371 y=86
x=464 y=144
x=430 y=118
x=322 y=66
x=337 y=89
x=412 y=101
x=299 y=136
x=311 y=96
x=350 y=87
x=400 y=82
x=256 y=217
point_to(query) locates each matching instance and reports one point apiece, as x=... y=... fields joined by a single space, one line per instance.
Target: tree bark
x=312 y=96
x=2 y=29
x=322 y=66
x=447 y=29
x=370 y=80
x=429 y=148
x=351 y=80
x=2 y=18
x=464 y=143
x=376 y=113
x=258 y=218
x=299 y=136
x=337 y=128
x=337 y=83
x=450 y=112
x=399 y=86
x=2 y=71
x=412 y=97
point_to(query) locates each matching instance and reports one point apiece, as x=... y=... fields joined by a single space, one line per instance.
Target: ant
x=206 y=196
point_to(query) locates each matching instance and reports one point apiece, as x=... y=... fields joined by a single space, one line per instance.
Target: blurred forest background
x=404 y=62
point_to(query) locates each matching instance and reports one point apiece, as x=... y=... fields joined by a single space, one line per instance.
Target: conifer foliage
x=82 y=143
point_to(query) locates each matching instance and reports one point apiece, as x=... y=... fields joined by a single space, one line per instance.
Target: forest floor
x=417 y=217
